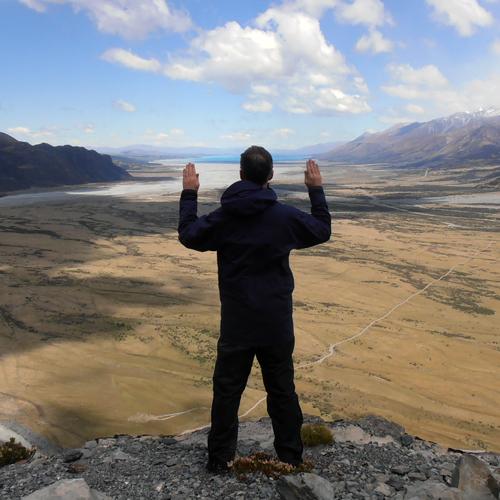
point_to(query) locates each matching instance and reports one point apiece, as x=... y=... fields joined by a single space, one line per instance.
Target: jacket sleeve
x=316 y=227
x=196 y=233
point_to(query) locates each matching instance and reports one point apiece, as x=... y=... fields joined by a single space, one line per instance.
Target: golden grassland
x=108 y=325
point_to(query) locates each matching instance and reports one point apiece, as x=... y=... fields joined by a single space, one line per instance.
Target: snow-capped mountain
x=460 y=137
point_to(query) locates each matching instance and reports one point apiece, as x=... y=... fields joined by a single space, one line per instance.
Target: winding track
x=331 y=348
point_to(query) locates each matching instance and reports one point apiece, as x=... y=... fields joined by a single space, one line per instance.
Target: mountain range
x=143 y=150
x=23 y=166
x=459 y=139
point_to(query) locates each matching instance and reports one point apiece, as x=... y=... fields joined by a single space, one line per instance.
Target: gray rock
x=474 y=480
x=400 y=470
x=397 y=483
x=379 y=426
x=431 y=490
x=68 y=489
x=407 y=440
x=304 y=486
x=417 y=476
x=383 y=489
x=72 y=455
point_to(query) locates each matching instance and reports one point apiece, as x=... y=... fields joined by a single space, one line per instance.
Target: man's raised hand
x=312 y=175
x=190 y=179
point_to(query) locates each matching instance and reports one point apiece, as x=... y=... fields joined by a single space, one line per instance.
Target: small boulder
x=72 y=455
x=304 y=486
x=379 y=426
x=474 y=480
x=68 y=489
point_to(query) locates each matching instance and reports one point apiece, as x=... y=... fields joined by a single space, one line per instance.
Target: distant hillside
x=23 y=166
x=458 y=139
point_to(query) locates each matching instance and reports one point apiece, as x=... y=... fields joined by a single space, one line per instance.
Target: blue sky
x=223 y=74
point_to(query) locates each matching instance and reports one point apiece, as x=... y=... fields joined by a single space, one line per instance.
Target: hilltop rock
x=23 y=166
x=360 y=465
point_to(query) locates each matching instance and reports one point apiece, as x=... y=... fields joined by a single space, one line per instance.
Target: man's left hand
x=190 y=179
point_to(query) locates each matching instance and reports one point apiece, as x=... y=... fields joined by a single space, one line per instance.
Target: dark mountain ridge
x=462 y=138
x=23 y=166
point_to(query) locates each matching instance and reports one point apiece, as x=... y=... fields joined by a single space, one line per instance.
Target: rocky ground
x=370 y=458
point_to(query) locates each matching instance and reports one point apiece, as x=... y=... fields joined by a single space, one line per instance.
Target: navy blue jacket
x=253 y=235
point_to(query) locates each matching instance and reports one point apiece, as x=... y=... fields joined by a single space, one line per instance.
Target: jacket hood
x=247 y=198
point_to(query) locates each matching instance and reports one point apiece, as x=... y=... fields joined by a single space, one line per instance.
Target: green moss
x=11 y=452
x=268 y=465
x=316 y=434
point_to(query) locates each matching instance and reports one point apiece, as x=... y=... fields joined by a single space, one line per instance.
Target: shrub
x=316 y=434
x=268 y=465
x=11 y=452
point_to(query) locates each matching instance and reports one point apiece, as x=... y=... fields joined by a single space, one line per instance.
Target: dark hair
x=256 y=163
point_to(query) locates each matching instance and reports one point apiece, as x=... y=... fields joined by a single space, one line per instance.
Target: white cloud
x=129 y=18
x=325 y=134
x=431 y=88
x=19 y=130
x=177 y=131
x=415 y=109
x=258 y=106
x=88 y=128
x=368 y=12
x=374 y=42
x=283 y=54
x=483 y=93
x=129 y=60
x=121 y=105
x=238 y=137
x=37 y=5
x=463 y=15
x=428 y=76
x=285 y=133
x=495 y=47
x=46 y=131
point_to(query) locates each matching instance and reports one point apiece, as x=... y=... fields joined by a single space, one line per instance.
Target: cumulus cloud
x=19 y=130
x=374 y=42
x=177 y=131
x=368 y=12
x=428 y=76
x=463 y=15
x=121 y=105
x=415 y=109
x=495 y=47
x=128 y=18
x=126 y=58
x=238 y=137
x=284 y=133
x=258 y=106
x=282 y=54
x=431 y=90
x=46 y=131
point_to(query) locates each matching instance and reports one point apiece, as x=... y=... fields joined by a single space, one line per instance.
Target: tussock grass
x=316 y=434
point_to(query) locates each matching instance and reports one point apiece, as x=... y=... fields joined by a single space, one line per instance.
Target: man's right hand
x=312 y=175
x=190 y=179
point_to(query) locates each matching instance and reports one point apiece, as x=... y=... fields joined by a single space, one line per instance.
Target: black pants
x=232 y=369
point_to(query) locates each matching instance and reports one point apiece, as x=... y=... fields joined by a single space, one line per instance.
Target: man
x=253 y=235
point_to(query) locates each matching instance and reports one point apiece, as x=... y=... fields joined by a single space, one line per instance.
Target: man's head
x=256 y=165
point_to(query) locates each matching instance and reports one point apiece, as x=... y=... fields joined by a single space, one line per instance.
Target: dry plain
x=108 y=325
